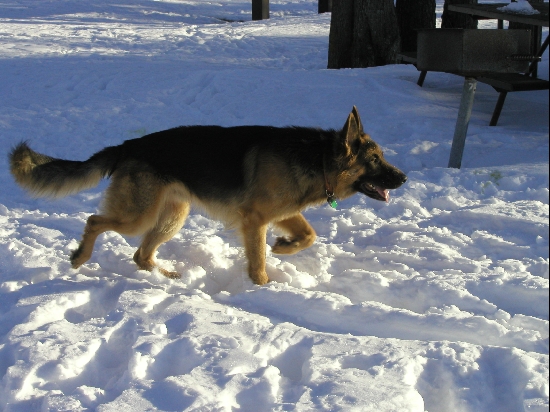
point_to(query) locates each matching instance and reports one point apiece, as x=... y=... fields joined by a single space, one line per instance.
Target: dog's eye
x=375 y=159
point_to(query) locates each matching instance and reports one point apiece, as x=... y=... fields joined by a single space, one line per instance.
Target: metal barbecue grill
x=473 y=52
x=496 y=57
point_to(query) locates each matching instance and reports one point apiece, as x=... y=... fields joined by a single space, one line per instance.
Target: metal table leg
x=461 y=128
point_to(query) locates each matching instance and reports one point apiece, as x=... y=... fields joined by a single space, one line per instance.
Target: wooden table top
x=491 y=11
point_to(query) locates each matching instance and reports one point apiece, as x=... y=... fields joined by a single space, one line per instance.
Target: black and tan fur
x=247 y=176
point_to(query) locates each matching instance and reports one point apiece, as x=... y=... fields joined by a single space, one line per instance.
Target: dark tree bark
x=452 y=20
x=411 y=16
x=341 y=35
x=363 y=33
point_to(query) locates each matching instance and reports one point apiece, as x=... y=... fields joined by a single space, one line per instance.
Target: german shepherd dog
x=247 y=176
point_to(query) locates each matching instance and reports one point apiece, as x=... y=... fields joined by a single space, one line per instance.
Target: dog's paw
x=285 y=246
x=259 y=278
x=169 y=275
x=77 y=258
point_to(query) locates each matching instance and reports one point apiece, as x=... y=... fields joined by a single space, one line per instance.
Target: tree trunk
x=341 y=35
x=411 y=16
x=363 y=33
x=452 y=20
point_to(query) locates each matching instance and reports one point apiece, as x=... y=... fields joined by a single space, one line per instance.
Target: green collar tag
x=331 y=198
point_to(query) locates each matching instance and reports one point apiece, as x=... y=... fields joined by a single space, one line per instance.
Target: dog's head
x=365 y=169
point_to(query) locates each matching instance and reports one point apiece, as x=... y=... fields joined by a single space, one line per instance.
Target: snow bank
x=437 y=301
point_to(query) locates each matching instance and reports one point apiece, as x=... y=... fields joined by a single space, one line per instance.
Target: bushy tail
x=45 y=176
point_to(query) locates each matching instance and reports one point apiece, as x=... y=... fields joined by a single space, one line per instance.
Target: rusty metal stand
x=498 y=108
x=260 y=9
x=324 y=6
x=462 y=122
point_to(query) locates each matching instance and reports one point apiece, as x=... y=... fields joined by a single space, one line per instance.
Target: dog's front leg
x=301 y=236
x=254 y=237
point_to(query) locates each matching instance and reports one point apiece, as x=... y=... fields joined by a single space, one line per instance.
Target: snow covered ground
x=437 y=301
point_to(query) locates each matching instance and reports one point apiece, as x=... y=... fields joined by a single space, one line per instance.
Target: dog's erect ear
x=351 y=133
x=357 y=119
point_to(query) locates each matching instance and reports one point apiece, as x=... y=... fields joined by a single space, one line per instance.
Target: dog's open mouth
x=376 y=192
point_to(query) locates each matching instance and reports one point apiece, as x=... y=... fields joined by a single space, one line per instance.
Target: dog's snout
x=399 y=177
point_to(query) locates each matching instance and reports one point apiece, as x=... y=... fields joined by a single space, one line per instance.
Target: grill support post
x=324 y=6
x=462 y=122
x=260 y=9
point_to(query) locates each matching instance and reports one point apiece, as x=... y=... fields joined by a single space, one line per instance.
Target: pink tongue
x=384 y=193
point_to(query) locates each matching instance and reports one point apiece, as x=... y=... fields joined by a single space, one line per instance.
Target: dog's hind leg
x=301 y=236
x=95 y=226
x=98 y=224
x=131 y=207
x=170 y=221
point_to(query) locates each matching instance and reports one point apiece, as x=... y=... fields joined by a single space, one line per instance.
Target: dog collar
x=331 y=199
x=329 y=191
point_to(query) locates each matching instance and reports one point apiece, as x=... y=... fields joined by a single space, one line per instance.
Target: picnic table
x=501 y=82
